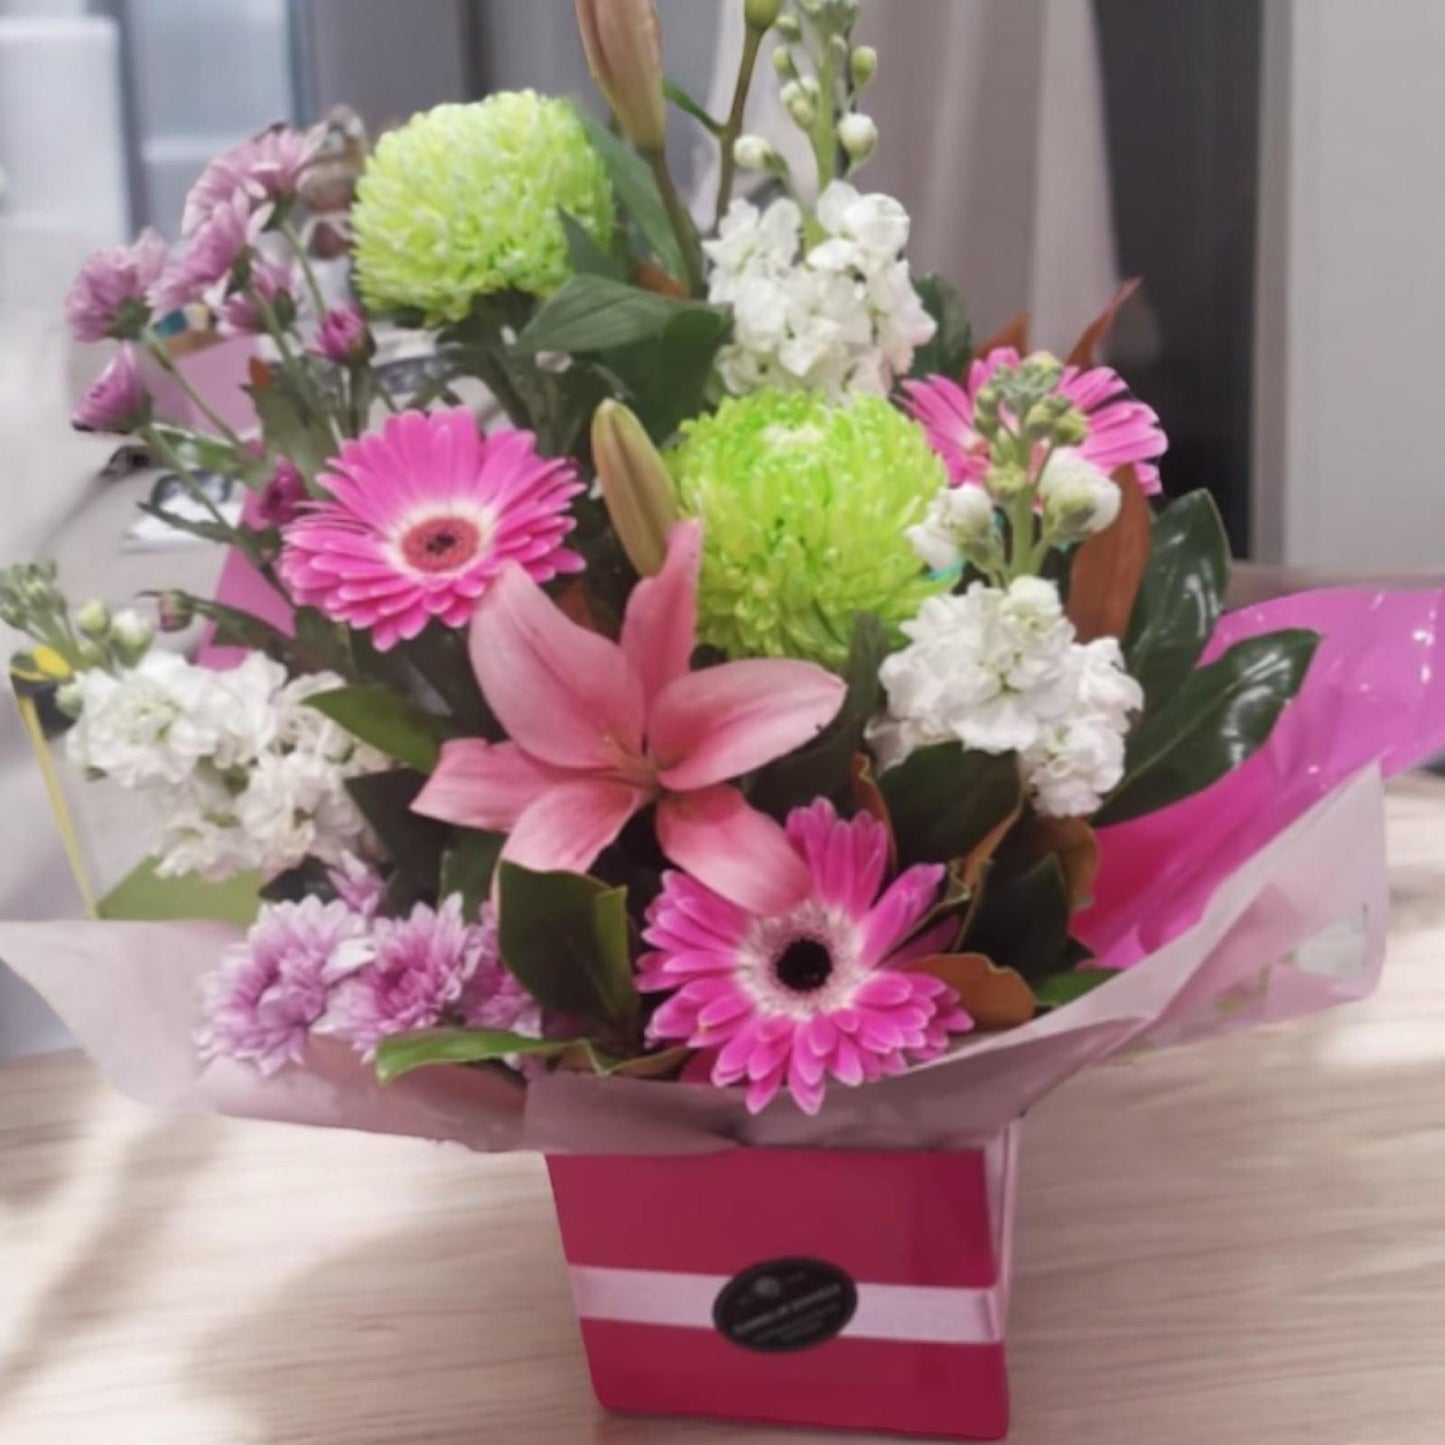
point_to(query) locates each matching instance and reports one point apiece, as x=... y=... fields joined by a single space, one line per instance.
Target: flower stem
x=679 y=219
x=157 y=349
x=752 y=42
x=187 y=478
x=313 y=286
x=825 y=124
x=304 y=386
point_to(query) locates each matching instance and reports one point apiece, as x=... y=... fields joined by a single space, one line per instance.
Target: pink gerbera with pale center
x=787 y=1000
x=1122 y=430
x=424 y=514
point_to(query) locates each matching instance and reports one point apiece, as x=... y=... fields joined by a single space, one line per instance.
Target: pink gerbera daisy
x=790 y=998
x=424 y=514
x=1122 y=430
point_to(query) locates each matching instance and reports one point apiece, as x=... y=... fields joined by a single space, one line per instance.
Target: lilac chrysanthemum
x=261 y=1005
x=424 y=514
x=117 y=400
x=110 y=296
x=789 y=999
x=210 y=257
x=267 y=167
x=420 y=970
x=1122 y=431
x=271 y=281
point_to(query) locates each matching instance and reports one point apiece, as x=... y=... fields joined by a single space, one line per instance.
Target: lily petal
x=569 y=692
x=724 y=721
x=730 y=847
x=565 y=829
x=659 y=631
x=484 y=785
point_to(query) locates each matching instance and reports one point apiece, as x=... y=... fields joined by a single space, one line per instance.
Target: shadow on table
x=146 y=1192
x=39 y=1155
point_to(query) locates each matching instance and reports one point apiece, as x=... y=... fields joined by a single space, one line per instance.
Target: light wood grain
x=1238 y=1242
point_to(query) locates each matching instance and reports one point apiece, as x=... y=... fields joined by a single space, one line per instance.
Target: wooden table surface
x=1239 y=1242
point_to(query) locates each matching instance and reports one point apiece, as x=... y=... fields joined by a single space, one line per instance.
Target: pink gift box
x=848 y=1290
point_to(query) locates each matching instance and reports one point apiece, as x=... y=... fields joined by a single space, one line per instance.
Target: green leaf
x=950 y=348
x=666 y=377
x=1180 y=598
x=636 y=191
x=944 y=800
x=290 y=429
x=824 y=768
x=1061 y=988
x=206 y=531
x=402 y=1053
x=587 y=257
x=144 y=896
x=563 y=936
x=596 y=313
x=468 y=866
x=1220 y=716
x=212 y=454
x=1023 y=922
x=413 y=843
x=236 y=628
x=388 y=721
x=688 y=106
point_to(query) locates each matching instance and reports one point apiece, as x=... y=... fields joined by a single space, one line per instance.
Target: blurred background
x=1272 y=169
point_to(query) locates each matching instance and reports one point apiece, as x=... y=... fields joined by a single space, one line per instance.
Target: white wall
x=1351 y=398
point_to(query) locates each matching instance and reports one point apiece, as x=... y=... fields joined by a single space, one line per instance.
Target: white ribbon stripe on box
x=919 y=1314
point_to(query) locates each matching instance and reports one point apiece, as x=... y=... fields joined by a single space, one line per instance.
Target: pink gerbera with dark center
x=787 y=1000
x=424 y=514
x=1122 y=430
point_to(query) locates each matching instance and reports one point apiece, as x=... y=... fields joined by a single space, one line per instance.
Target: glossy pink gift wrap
x=850 y=1290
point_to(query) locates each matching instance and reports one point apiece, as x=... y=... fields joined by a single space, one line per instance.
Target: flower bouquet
x=795 y=743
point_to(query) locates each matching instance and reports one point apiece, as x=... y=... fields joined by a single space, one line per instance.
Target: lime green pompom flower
x=804 y=505
x=462 y=201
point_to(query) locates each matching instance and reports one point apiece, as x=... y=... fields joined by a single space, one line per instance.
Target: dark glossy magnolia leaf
x=993 y=997
x=1220 y=716
x=1022 y=922
x=388 y=721
x=1085 y=349
x=944 y=801
x=1063 y=988
x=413 y=843
x=665 y=376
x=824 y=768
x=949 y=350
x=1180 y=598
x=563 y=936
x=1070 y=840
x=636 y=190
x=1108 y=569
x=468 y=866
x=402 y=1053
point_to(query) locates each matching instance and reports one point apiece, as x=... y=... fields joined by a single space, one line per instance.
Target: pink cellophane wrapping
x=1205 y=946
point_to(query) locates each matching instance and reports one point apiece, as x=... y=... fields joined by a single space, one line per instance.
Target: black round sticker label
x=785 y=1304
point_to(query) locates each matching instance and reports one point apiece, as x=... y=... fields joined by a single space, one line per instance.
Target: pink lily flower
x=601 y=729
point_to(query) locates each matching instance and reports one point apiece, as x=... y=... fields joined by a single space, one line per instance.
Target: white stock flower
x=1000 y=670
x=959 y=520
x=1075 y=763
x=842 y=318
x=1078 y=498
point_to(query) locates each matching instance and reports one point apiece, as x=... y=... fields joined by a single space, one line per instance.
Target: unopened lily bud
x=175 y=610
x=1079 y=499
x=762 y=14
x=753 y=153
x=858 y=136
x=623 y=42
x=131 y=635
x=93 y=618
x=863 y=64
x=636 y=485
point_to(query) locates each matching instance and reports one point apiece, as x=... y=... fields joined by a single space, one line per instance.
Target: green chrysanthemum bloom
x=803 y=505
x=462 y=201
